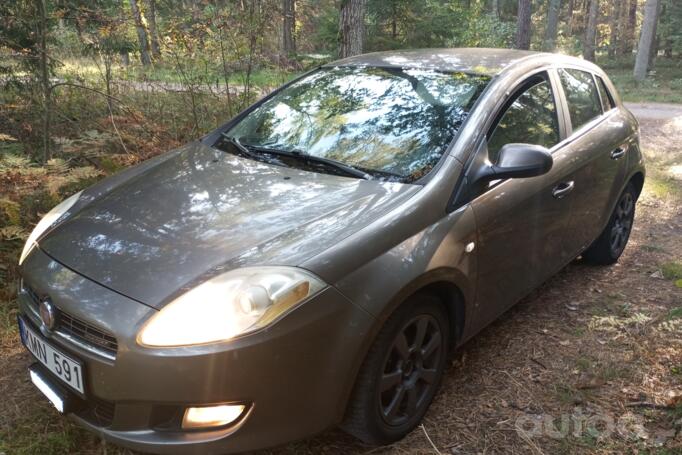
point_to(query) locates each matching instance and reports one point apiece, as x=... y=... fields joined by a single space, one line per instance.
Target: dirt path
x=655 y=111
x=589 y=363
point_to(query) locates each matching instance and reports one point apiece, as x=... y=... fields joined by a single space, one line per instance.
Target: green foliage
x=434 y=23
x=672 y=270
x=17 y=33
x=670 y=25
x=675 y=313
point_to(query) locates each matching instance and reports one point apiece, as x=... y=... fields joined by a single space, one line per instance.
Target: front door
x=522 y=222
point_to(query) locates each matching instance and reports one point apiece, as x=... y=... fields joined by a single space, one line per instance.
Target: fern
x=13 y=233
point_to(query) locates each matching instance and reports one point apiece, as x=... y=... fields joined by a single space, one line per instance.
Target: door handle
x=620 y=151
x=562 y=189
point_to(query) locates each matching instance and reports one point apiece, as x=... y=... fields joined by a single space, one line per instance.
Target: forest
x=90 y=87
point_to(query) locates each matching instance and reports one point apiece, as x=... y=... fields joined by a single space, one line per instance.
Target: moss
x=675 y=313
x=672 y=270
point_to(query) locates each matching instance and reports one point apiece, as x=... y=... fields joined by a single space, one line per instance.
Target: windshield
x=390 y=120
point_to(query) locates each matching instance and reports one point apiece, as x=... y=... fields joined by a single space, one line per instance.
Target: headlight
x=231 y=304
x=47 y=221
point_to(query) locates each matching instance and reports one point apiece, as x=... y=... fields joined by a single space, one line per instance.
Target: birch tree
x=141 y=33
x=646 y=38
x=153 y=30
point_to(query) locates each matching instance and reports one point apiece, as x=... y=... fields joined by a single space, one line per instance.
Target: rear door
x=521 y=224
x=598 y=144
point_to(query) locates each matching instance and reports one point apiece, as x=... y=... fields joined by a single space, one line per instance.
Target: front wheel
x=401 y=373
x=610 y=244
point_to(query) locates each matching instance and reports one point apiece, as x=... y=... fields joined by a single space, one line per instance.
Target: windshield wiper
x=241 y=147
x=312 y=159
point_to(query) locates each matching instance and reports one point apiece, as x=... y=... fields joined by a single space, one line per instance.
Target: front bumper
x=295 y=376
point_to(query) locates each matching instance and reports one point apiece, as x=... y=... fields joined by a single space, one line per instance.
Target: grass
x=675 y=313
x=662 y=187
x=672 y=270
x=54 y=441
x=663 y=84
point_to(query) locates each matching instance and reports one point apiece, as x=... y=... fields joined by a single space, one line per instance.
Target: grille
x=97 y=411
x=78 y=329
x=102 y=411
x=86 y=333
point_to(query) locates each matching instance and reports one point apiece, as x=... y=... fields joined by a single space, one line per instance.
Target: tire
x=410 y=376
x=612 y=241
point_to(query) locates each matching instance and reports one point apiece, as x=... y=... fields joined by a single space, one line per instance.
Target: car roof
x=484 y=61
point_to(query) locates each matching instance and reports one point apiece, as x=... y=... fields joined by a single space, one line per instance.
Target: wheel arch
x=637 y=180
x=451 y=288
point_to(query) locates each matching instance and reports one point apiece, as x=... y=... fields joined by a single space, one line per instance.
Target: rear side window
x=582 y=96
x=530 y=119
x=606 y=100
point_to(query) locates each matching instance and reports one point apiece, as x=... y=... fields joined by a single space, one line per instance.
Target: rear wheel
x=610 y=244
x=401 y=373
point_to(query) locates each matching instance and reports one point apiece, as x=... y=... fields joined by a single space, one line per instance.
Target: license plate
x=64 y=367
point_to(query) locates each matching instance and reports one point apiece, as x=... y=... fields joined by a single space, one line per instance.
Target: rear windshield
x=397 y=121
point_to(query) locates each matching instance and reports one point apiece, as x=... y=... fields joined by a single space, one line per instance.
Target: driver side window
x=530 y=119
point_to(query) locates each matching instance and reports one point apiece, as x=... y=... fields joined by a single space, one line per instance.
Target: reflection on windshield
x=385 y=119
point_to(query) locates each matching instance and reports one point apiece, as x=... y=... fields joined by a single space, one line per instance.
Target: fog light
x=211 y=416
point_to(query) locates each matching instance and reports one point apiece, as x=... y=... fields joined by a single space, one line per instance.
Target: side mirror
x=518 y=161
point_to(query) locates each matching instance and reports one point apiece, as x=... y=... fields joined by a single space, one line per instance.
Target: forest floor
x=591 y=362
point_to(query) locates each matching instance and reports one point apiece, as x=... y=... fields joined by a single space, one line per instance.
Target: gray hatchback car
x=312 y=262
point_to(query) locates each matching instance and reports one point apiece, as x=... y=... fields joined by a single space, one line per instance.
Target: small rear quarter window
x=606 y=98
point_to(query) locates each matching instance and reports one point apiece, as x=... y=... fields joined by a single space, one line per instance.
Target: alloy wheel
x=410 y=370
x=620 y=231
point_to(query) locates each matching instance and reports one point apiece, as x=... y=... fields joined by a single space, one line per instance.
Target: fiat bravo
x=312 y=262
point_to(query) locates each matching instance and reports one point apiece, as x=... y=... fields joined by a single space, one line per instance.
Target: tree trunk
x=125 y=57
x=288 y=27
x=351 y=27
x=153 y=30
x=141 y=33
x=44 y=79
x=632 y=25
x=622 y=27
x=655 y=44
x=646 y=39
x=523 y=25
x=394 y=21
x=591 y=31
x=496 y=8
x=549 y=43
x=569 y=16
x=616 y=7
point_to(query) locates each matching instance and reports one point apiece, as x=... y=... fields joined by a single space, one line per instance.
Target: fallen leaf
x=673 y=398
x=589 y=382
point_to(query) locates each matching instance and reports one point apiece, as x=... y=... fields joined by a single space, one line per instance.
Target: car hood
x=200 y=211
